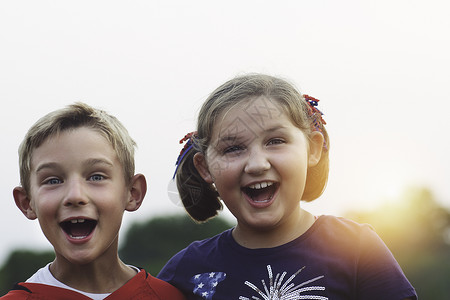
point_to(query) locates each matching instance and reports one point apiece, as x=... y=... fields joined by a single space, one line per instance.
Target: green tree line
x=415 y=228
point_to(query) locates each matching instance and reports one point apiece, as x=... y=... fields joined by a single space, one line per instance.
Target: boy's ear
x=138 y=189
x=202 y=167
x=23 y=202
x=315 y=148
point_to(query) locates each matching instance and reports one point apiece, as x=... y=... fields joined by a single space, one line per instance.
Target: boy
x=77 y=178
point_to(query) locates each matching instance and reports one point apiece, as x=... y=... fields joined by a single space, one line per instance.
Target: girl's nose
x=257 y=162
x=75 y=194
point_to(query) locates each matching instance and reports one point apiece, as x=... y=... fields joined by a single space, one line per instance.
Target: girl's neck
x=96 y=277
x=279 y=235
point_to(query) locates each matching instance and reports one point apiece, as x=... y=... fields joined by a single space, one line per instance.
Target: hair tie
x=189 y=138
x=314 y=111
x=316 y=115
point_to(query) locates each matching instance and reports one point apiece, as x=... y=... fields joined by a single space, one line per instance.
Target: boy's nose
x=75 y=194
x=257 y=162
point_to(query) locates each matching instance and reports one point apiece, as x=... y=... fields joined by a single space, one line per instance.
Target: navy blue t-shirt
x=335 y=259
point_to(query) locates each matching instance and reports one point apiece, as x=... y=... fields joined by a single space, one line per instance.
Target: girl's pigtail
x=199 y=198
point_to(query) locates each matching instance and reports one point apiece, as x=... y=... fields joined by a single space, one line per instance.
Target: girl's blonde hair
x=71 y=117
x=200 y=199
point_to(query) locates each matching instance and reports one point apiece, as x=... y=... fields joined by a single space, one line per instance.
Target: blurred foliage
x=20 y=265
x=148 y=245
x=151 y=244
x=416 y=229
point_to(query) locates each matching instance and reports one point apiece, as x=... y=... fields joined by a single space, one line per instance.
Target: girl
x=261 y=147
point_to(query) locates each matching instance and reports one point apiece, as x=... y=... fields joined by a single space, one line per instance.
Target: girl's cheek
x=217 y=168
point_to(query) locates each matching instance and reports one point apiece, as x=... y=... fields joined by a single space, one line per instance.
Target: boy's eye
x=53 y=181
x=96 y=177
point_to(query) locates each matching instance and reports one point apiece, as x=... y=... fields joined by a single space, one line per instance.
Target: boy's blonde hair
x=71 y=117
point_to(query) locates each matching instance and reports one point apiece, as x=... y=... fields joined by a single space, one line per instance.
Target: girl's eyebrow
x=227 y=138
x=275 y=128
x=235 y=137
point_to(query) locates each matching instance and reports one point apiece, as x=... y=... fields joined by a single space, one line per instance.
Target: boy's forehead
x=54 y=136
x=72 y=143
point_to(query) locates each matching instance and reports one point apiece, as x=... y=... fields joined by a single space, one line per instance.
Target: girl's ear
x=202 y=167
x=315 y=148
x=138 y=189
x=23 y=202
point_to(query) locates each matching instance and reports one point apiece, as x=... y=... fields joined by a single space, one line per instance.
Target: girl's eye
x=96 y=177
x=232 y=149
x=275 y=142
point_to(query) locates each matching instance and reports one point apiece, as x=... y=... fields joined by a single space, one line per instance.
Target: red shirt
x=142 y=286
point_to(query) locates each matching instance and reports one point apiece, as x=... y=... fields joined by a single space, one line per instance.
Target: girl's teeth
x=77 y=237
x=76 y=221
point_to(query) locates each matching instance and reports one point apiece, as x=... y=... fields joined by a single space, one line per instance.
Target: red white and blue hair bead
x=314 y=112
x=188 y=146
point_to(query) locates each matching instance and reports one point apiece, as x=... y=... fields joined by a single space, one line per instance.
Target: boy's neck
x=277 y=236
x=96 y=277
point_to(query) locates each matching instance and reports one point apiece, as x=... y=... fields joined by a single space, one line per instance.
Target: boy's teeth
x=260 y=185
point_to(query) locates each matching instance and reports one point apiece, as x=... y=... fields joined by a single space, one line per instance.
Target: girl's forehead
x=259 y=110
x=249 y=116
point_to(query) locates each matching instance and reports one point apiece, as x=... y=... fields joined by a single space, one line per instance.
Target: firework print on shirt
x=277 y=290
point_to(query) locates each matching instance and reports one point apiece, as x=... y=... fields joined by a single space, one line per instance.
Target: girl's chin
x=260 y=223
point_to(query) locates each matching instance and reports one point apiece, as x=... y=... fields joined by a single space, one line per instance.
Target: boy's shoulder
x=162 y=290
x=141 y=286
x=26 y=290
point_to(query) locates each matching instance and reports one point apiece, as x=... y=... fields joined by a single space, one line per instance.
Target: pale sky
x=380 y=69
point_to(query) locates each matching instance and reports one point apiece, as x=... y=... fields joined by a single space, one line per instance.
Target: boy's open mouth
x=261 y=192
x=78 y=228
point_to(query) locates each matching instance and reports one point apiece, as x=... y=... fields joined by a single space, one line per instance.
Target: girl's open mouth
x=261 y=192
x=78 y=228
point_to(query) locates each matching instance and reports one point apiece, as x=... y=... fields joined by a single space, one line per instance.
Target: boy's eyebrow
x=98 y=161
x=50 y=165
x=88 y=162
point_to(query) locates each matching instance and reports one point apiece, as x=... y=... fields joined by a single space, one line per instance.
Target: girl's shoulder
x=334 y=224
x=353 y=237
